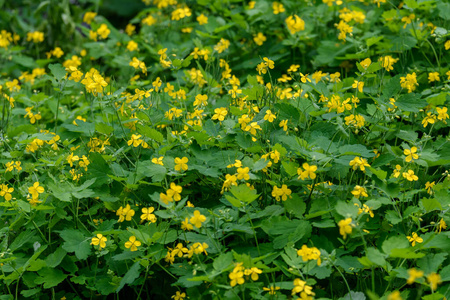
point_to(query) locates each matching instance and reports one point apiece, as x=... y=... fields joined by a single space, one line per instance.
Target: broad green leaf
x=394 y=242
x=130 y=276
x=243 y=193
x=75 y=241
x=223 y=261
x=58 y=71
x=411 y=102
x=50 y=277
x=431 y=262
x=55 y=258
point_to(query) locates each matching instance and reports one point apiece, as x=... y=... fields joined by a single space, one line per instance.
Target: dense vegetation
x=218 y=149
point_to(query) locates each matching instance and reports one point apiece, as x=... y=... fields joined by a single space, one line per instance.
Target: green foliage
x=224 y=149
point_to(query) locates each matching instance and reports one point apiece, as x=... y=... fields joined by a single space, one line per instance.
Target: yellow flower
x=359 y=162
x=269 y=63
x=179 y=296
x=359 y=191
x=35 y=36
x=71 y=158
x=272 y=290
x=6 y=192
x=197 y=219
x=198 y=248
x=103 y=31
x=201 y=100
x=414 y=238
x=147 y=214
x=358 y=85
x=253 y=272
x=243 y=173
x=158 y=161
x=411 y=154
x=185 y=225
x=387 y=62
x=283 y=124
x=366 y=63
x=395 y=295
x=345 y=227
x=429 y=187
x=396 y=172
x=132 y=243
x=237 y=276
x=35 y=190
x=252 y=127
x=135 y=140
x=409 y=82
x=219 y=114
x=309 y=172
x=308 y=254
x=410 y=176
x=202 y=19
x=100 y=240
x=442 y=114
x=89 y=16
x=259 y=38
x=442 y=225
x=277 y=8
x=413 y=275
x=166 y=198
x=282 y=192
x=300 y=286
x=130 y=29
x=433 y=76
x=175 y=191
x=181 y=164
x=132 y=45
x=125 y=213
x=434 y=279
x=295 y=24
x=222 y=45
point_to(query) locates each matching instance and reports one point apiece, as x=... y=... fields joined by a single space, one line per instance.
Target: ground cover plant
x=210 y=149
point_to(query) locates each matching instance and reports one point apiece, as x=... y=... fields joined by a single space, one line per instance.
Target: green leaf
x=75 y=241
x=357 y=150
x=411 y=102
x=394 y=242
x=406 y=253
x=290 y=167
x=25 y=61
x=29 y=293
x=393 y=217
x=149 y=169
x=54 y=259
x=150 y=133
x=223 y=261
x=444 y=10
x=104 y=128
x=50 y=277
x=130 y=276
x=260 y=164
x=58 y=71
x=431 y=262
x=347 y=210
x=243 y=193
x=24 y=237
x=375 y=256
x=445 y=273
x=295 y=205
x=211 y=128
x=430 y=204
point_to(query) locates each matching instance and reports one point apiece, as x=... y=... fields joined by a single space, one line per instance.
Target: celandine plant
x=225 y=150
